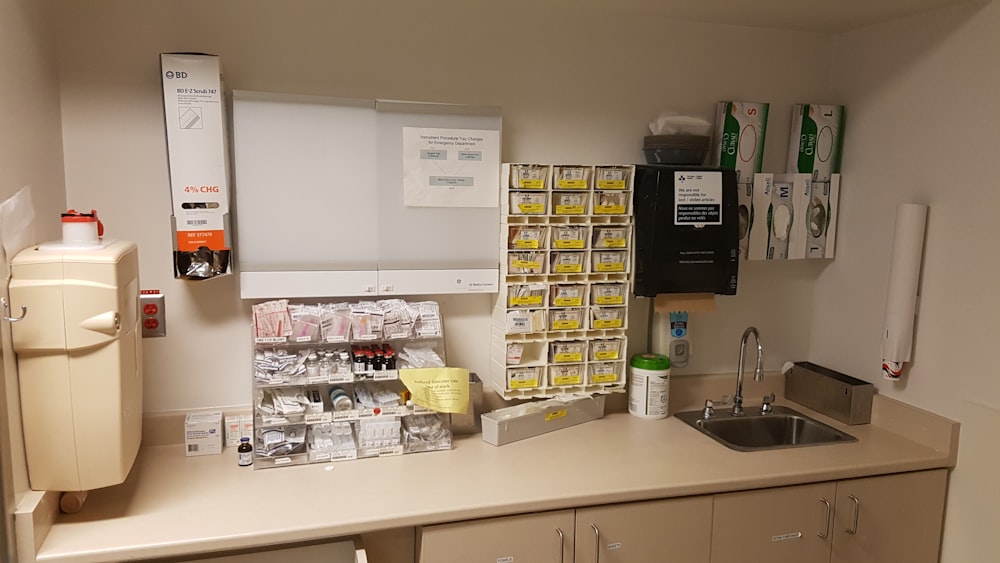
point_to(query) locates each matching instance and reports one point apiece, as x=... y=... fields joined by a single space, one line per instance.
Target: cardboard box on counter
x=203 y=433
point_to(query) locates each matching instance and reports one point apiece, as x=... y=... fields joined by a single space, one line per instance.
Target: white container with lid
x=81 y=229
x=649 y=386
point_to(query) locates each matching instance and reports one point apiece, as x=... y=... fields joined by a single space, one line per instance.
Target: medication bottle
x=245 y=452
x=649 y=386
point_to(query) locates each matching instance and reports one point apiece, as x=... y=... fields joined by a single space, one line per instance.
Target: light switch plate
x=152 y=313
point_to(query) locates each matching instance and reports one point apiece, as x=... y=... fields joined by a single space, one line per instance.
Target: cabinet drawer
x=531 y=538
x=344 y=551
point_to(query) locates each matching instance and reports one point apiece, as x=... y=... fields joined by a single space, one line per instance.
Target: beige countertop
x=173 y=505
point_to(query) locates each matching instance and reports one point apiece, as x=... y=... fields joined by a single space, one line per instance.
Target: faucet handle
x=709 y=411
x=765 y=407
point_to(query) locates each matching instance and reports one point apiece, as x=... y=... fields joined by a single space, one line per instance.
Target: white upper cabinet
x=321 y=206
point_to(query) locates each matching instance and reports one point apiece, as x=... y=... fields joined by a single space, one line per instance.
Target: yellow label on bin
x=610 y=300
x=607 y=323
x=611 y=184
x=609 y=210
x=568 y=324
x=606 y=355
x=604 y=377
x=612 y=243
x=569 y=268
x=611 y=267
x=569 y=357
x=572 y=184
x=569 y=301
x=524 y=383
x=531 y=207
x=532 y=184
x=570 y=210
x=528 y=264
x=526 y=300
x=577 y=243
x=555 y=415
x=527 y=244
x=567 y=380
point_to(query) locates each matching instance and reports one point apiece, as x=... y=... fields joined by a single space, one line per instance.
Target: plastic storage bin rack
x=320 y=399
x=567 y=237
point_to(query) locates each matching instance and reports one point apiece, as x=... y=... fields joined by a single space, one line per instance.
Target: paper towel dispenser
x=686 y=230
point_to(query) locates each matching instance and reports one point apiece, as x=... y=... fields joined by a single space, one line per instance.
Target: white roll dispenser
x=904 y=278
x=79 y=360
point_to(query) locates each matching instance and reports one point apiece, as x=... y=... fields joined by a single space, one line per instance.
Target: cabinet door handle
x=597 y=543
x=857 y=509
x=826 y=527
x=562 y=546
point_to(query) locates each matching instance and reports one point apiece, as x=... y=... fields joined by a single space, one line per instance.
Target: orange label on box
x=189 y=241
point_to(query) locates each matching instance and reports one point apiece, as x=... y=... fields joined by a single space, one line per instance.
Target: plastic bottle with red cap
x=81 y=228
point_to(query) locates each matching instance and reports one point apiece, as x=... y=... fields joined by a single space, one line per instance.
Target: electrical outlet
x=152 y=313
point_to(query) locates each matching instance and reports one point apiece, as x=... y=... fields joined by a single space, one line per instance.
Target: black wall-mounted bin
x=686 y=230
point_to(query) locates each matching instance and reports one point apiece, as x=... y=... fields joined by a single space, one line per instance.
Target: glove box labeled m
x=686 y=230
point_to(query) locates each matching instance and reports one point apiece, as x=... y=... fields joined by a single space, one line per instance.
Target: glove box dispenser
x=79 y=363
x=686 y=230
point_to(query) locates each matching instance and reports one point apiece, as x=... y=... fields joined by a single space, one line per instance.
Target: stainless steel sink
x=753 y=431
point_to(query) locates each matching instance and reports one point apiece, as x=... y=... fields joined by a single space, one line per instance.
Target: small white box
x=198 y=160
x=238 y=426
x=203 y=433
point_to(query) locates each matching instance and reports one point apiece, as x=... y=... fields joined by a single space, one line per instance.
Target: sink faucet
x=758 y=372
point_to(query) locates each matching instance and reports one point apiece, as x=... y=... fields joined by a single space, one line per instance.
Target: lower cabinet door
x=890 y=518
x=663 y=531
x=782 y=525
x=545 y=537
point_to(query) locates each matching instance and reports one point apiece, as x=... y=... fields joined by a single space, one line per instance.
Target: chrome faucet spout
x=758 y=373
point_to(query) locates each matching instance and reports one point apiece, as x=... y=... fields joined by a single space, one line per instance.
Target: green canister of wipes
x=649 y=386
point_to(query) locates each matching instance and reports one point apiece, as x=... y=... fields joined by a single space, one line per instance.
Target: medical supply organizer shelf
x=561 y=315
x=319 y=399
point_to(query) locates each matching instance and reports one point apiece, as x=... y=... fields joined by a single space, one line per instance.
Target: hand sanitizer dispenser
x=79 y=360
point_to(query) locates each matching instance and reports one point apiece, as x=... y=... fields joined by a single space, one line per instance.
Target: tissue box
x=832 y=393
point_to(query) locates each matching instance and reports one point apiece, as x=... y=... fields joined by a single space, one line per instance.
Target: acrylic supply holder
x=326 y=381
x=560 y=319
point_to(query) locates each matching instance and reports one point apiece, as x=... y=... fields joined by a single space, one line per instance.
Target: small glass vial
x=344 y=362
x=325 y=365
x=312 y=364
x=245 y=452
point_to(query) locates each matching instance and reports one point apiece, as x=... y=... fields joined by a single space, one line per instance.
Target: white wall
x=922 y=127
x=579 y=86
x=30 y=155
x=574 y=86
